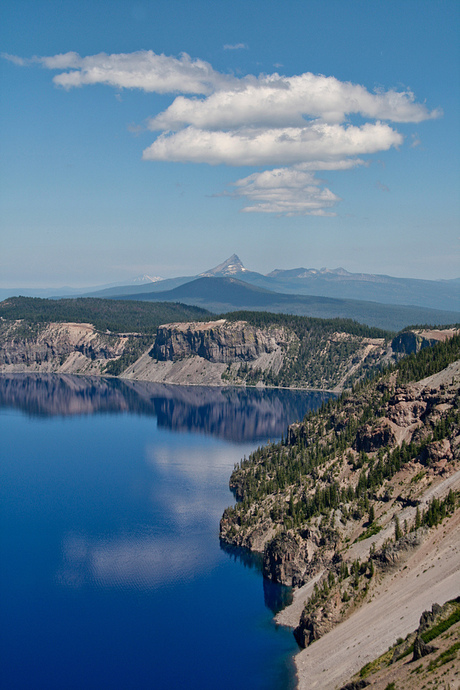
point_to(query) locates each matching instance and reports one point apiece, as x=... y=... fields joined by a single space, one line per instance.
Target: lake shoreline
x=10 y=370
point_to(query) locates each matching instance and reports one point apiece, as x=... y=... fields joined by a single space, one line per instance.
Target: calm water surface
x=111 y=571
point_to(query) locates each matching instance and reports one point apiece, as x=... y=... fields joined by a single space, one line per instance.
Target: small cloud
x=15 y=59
x=143 y=69
x=415 y=140
x=135 y=129
x=236 y=46
x=118 y=97
x=286 y=192
x=382 y=186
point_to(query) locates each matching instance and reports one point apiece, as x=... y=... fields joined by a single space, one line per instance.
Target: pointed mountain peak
x=143 y=279
x=232 y=266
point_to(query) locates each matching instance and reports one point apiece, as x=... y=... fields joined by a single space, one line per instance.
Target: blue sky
x=160 y=137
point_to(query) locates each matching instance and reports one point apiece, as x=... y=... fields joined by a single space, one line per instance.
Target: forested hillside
x=176 y=343
x=241 y=348
x=117 y=316
x=324 y=353
x=355 y=488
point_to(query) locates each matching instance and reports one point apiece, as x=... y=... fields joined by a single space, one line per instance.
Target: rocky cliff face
x=218 y=341
x=181 y=353
x=285 y=559
x=411 y=342
x=216 y=353
x=57 y=347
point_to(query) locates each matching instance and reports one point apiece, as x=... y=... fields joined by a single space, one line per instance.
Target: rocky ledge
x=220 y=341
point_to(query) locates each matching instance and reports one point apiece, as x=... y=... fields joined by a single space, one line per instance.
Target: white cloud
x=275 y=101
x=288 y=145
x=143 y=69
x=69 y=60
x=286 y=191
x=305 y=120
x=345 y=164
x=22 y=62
x=236 y=46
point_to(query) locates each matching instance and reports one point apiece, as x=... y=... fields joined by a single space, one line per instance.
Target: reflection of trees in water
x=276 y=597
x=236 y=414
x=250 y=559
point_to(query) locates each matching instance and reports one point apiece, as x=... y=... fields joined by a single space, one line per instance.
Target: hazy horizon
x=136 y=279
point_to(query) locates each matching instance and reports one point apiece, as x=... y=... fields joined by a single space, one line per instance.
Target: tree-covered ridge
x=328 y=354
x=318 y=359
x=323 y=353
x=314 y=353
x=118 y=316
x=302 y=324
x=429 y=360
x=349 y=424
x=354 y=474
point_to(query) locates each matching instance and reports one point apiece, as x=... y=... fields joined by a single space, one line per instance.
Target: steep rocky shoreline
x=184 y=353
x=216 y=353
x=67 y=348
x=351 y=498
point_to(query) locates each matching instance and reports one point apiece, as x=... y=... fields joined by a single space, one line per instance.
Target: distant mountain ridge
x=333 y=273
x=335 y=283
x=225 y=294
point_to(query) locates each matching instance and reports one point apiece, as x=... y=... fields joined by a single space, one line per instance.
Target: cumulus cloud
x=303 y=121
x=259 y=146
x=285 y=191
x=275 y=101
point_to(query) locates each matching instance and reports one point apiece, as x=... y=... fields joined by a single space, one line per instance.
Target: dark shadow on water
x=276 y=597
x=249 y=559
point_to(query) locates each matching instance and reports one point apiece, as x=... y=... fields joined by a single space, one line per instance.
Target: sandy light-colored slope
x=432 y=574
x=439 y=670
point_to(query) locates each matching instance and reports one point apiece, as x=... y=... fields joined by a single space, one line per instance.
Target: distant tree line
x=301 y=325
x=117 y=316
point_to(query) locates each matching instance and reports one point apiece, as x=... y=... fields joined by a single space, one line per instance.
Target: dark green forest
x=304 y=324
x=117 y=316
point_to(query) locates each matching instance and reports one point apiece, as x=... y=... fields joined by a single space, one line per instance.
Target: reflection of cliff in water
x=232 y=413
x=276 y=596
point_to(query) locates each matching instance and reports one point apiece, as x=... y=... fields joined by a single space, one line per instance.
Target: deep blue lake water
x=111 y=570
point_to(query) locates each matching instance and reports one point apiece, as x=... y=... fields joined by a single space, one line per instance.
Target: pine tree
x=398 y=531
